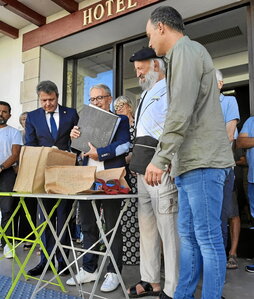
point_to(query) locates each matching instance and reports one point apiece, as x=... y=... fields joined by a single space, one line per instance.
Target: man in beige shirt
x=194 y=141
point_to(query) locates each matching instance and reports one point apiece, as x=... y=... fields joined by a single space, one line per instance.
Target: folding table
x=37 y=231
x=93 y=198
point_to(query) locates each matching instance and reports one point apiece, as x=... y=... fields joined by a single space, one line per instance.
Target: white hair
x=101 y=86
x=161 y=65
x=219 y=75
x=124 y=100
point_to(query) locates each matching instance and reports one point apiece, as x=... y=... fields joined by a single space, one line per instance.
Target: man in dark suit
x=111 y=156
x=49 y=126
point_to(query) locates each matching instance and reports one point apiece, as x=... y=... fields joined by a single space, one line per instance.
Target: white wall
x=11 y=74
x=52 y=69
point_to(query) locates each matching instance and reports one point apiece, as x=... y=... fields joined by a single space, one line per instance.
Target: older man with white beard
x=157 y=206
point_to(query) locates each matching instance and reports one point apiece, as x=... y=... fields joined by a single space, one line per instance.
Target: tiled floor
x=239 y=284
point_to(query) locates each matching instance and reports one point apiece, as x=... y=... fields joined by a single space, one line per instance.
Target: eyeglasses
x=98 y=99
x=119 y=106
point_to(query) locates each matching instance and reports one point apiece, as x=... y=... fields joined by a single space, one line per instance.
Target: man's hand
x=92 y=153
x=153 y=175
x=128 y=158
x=75 y=133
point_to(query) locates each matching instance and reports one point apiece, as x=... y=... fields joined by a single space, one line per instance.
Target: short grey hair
x=169 y=16
x=47 y=87
x=125 y=100
x=219 y=75
x=101 y=86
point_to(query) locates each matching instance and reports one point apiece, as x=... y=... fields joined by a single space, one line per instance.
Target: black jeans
x=7 y=203
x=24 y=227
x=111 y=210
x=58 y=219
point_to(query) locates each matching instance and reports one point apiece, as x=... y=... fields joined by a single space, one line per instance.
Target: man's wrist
x=2 y=167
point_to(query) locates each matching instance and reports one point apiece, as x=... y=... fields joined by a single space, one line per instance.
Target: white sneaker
x=8 y=252
x=110 y=283
x=82 y=277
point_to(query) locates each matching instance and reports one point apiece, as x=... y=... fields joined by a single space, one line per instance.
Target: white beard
x=150 y=79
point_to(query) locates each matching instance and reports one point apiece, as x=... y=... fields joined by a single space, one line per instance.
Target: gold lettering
x=131 y=5
x=102 y=10
x=109 y=5
x=98 y=12
x=87 y=16
x=119 y=6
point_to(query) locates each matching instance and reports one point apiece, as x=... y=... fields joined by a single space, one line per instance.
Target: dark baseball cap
x=143 y=54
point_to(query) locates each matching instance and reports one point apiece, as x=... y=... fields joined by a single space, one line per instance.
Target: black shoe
x=37 y=270
x=164 y=296
x=61 y=266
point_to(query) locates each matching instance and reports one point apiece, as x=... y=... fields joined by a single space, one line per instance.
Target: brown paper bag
x=113 y=173
x=79 y=179
x=69 y=179
x=32 y=163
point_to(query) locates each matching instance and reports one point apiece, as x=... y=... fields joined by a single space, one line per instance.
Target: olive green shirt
x=194 y=134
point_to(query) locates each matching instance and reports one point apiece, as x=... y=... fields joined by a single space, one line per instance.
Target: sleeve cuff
x=160 y=163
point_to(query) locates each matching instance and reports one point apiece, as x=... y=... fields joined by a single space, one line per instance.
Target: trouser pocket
x=167 y=200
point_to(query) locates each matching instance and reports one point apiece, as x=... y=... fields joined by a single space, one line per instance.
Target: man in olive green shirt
x=194 y=144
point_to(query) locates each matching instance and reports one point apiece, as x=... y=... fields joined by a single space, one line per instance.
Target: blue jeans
x=227 y=205
x=251 y=197
x=200 y=194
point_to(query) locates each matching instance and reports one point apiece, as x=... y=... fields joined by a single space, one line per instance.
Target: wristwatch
x=2 y=167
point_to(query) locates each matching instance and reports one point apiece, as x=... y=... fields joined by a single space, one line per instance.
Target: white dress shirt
x=56 y=118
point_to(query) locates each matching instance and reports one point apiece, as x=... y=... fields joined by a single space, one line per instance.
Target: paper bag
x=112 y=174
x=79 y=179
x=69 y=179
x=32 y=163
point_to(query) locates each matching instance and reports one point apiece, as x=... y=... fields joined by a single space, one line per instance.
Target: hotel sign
x=106 y=9
x=100 y=12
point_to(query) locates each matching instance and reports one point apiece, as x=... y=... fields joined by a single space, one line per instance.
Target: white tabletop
x=76 y=196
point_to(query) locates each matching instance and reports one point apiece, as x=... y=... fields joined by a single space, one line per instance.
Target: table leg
x=108 y=246
x=36 y=241
x=48 y=257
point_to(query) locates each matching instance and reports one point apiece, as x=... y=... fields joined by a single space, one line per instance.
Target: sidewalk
x=239 y=284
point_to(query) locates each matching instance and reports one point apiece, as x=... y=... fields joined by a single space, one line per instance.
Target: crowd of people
x=178 y=152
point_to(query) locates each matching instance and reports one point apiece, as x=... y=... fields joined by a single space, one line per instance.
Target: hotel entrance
x=224 y=34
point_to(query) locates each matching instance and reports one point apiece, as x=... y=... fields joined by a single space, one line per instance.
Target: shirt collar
x=159 y=87
x=181 y=40
x=56 y=111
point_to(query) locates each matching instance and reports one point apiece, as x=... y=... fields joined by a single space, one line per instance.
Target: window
x=83 y=73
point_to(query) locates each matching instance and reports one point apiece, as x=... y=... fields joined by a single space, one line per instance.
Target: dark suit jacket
x=113 y=155
x=38 y=133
